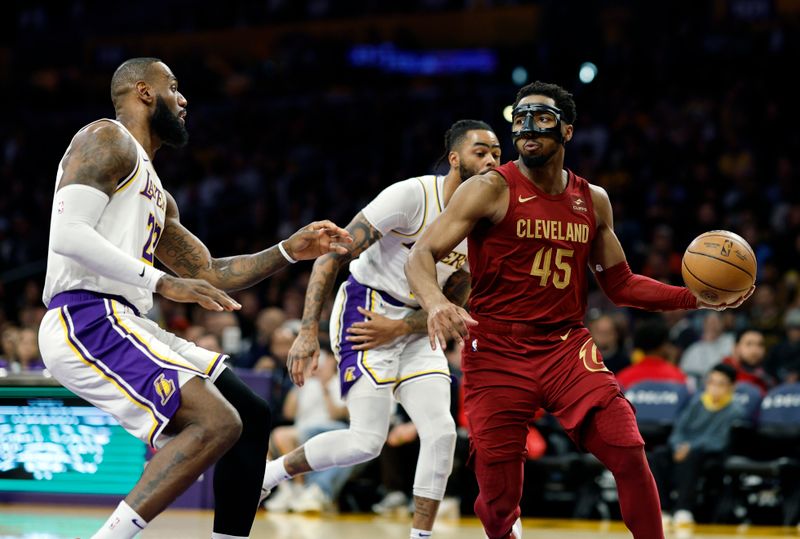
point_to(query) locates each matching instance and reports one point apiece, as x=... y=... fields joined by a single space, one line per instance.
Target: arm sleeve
x=397 y=208
x=73 y=235
x=626 y=289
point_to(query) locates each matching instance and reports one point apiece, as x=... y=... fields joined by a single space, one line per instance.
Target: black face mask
x=167 y=126
x=539 y=119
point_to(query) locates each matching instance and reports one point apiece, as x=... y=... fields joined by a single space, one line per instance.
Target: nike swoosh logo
x=136 y=523
x=564 y=336
x=526 y=199
x=142 y=273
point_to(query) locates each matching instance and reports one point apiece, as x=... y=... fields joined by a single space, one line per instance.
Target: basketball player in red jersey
x=533 y=228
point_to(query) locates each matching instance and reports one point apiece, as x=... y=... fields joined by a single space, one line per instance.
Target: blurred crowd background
x=305 y=109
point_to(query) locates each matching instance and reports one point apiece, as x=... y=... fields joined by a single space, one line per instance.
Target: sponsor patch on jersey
x=579 y=204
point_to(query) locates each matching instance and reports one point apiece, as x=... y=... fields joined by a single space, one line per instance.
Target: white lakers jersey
x=401 y=213
x=133 y=221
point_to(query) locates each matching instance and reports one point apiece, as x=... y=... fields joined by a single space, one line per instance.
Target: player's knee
x=440 y=439
x=228 y=429
x=366 y=446
x=257 y=418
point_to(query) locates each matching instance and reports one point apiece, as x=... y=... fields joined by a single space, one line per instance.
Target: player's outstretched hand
x=723 y=306
x=196 y=291
x=316 y=239
x=305 y=349
x=448 y=321
x=374 y=331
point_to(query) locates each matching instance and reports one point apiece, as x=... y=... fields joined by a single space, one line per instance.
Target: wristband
x=285 y=254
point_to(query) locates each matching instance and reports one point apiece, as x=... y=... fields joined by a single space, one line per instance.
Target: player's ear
x=453 y=159
x=145 y=92
x=568 y=133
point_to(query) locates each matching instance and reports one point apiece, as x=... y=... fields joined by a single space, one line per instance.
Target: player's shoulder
x=491 y=182
x=598 y=193
x=107 y=137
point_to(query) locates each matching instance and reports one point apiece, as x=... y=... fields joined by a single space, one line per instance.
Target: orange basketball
x=719 y=267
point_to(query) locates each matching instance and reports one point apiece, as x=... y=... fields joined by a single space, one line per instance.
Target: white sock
x=274 y=473
x=420 y=534
x=124 y=523
x=216 y=535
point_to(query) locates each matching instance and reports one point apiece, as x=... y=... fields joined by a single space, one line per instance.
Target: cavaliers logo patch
x=164 y=388
x=591 y=360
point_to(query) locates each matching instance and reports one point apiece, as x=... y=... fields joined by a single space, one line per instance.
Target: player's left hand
x=723 y=306
x=316 y=239
x=374 y=331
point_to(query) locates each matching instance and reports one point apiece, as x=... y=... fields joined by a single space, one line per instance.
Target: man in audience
x=652 y=338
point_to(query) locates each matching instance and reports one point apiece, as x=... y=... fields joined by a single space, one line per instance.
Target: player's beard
x=536 y=161
x=468 y=172
x=167 y=126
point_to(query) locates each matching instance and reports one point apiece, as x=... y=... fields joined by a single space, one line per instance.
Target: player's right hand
x=305 y=348
x=196 y=291
x=448 y=321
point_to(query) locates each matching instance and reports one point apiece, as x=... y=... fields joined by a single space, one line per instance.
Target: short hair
x=741 y=333
x=563 y=98
x=651 y=335
x=127 y=74
x=725 y=369
x=458 y=132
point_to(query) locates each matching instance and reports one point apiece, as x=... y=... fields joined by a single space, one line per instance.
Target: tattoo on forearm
x=183 y=253
x=237 y=272
x=417 y=321
x=323 y=276
x=457 y=288
x=188 y=257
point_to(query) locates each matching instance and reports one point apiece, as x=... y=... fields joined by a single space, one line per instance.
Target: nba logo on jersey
x=164 y=388
x=474 y=345
x=349 y=375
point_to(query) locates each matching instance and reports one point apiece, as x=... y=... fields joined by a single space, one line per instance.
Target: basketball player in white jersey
x=111 y=219
x=378 y=330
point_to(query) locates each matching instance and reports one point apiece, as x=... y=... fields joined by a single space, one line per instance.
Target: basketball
x=719 y=267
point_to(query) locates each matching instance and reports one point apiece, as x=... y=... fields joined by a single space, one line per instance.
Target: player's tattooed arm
x=184 y=253
x=100 y=156
x=326 y=267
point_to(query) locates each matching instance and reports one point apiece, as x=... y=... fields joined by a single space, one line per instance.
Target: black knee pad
x=253 y=410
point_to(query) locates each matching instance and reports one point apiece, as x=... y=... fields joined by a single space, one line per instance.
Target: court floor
x=61 y=522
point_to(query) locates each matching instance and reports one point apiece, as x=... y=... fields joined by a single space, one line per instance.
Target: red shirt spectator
x=652 y=337
x=652 y=368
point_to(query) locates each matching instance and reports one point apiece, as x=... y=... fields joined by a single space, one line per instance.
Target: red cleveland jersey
x=531 y=267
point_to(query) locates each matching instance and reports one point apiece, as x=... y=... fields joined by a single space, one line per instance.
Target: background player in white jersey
x=378 y=330
x=111 y=217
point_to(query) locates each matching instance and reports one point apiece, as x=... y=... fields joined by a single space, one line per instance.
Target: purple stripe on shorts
x=157 y=386
x=356 y=295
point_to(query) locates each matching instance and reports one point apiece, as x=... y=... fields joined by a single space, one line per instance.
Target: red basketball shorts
x=512 y=370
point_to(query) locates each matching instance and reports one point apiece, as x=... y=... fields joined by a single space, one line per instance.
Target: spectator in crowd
x=275 y=363
x=783 y=361
x=701 y=434
x=267 y=321
x=713 y=347
x=748 y=359
x=609 y=339
x=315 y=407
x=652 y=338
x=8 y=346
x=28 y=356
